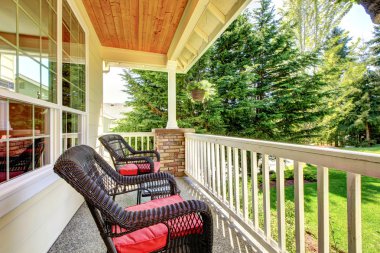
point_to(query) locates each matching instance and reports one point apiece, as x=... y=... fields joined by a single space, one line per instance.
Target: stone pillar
x=170 y=143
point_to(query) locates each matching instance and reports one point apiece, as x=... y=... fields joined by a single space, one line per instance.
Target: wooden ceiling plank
x=96 y=16
x=170 y=27
x=125 y=16
x=156 y=9
x=134 y=9
x=107 y=12
x=140 y=24
x=158 y=26
x=216 y=12
x=118 y=17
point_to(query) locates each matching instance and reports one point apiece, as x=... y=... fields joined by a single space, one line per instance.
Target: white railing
x=220 y=165
x=137 y=140
x=69 y=140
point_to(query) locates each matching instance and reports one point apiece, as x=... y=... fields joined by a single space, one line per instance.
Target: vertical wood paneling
x=354 y=218
x=299 y=206
x=143 y=25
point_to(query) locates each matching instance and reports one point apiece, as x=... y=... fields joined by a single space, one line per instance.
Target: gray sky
x=357 y=22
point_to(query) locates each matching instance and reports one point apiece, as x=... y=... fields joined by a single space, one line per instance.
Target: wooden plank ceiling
x=142 y=25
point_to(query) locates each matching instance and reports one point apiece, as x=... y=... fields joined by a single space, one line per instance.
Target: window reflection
x=41 y=120
x=3 y=161
x=8 y=22
x=71 y=130
x=21 y=119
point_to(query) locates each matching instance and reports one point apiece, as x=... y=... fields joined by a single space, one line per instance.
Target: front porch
x=81 y=234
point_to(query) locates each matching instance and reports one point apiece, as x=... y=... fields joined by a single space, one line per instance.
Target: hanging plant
x=201 y=90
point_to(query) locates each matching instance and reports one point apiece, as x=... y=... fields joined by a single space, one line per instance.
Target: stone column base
x=170 y=143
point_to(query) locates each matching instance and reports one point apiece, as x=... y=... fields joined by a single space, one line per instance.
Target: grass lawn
x=338 y=211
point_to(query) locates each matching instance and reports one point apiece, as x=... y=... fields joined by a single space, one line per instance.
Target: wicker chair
x=22 y=163
x=127 y=161
x=164 y=224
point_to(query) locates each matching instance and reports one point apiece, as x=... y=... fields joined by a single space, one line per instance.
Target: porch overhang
x=142 y=34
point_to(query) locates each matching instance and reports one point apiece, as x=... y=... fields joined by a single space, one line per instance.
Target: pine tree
x=285 y=90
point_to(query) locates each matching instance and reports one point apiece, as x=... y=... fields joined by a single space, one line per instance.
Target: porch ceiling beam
x=134 y=59
x=191 y=49
x=201 y=34
x=190 y=17
x=216 y=12
x=232 y=14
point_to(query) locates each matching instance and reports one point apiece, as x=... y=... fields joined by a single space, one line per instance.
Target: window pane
x=7 y=66
x=21 y=119
x=41 y=152
x=48 y=20
x=4 y=123
x=32 y=7
x=8 y=21
x=74 y=59
x=29 y=35
x=29 y=77
x=41 y=121
x=20 y=157
x=3 y=161
x=48 y=85
x=71 y=130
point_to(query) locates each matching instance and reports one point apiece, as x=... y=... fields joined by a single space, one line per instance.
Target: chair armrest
x=137 y=160
x=154 y=152
x=162 y=180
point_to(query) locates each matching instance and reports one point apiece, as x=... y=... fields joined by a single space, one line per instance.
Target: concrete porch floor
x=81 y=234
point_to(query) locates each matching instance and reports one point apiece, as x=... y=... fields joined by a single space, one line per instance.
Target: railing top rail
x=356 y=162
x=132 y=134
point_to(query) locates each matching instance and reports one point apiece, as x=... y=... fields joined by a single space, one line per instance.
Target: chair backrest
x=117 y=146
x=90 y=175
x=24 y=161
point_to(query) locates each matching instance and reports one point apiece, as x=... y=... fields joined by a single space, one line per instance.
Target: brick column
x=170 y=143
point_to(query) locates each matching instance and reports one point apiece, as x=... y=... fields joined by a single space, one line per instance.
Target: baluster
x=255 y=195
x=280 y=187
x=209 y=172
x=237 y=178
x=354 y=219
x=299 y=206
x=217 y=147
x=245 y=184
x=213 y=170
x=266 y=195
x=223 y=154
x=323 y=209
x=229 y=165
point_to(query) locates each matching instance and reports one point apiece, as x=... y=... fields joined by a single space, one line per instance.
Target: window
x=24 y=138
x=73 y=61
x=71 y=130
x=28 y=48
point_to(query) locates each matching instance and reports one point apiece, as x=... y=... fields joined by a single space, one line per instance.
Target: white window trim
x=20 y=189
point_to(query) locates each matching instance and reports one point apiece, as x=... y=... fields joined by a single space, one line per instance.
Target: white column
x=172 y=107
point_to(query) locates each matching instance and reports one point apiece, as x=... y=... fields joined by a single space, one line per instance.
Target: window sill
x=18 y=190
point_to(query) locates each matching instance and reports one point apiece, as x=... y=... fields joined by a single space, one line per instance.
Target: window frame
x=20 y=189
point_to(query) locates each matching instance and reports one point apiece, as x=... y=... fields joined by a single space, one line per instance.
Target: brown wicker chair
x=127 y=160
x=180 y=226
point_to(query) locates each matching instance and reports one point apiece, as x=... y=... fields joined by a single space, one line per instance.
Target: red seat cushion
x=145 y=167
x=154 y=237
x=128 y=170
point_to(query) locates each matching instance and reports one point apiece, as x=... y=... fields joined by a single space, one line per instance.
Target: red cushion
x=128 y=170
x=154 y=237
x=145 y=167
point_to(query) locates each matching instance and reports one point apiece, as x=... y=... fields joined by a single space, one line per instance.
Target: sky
x=357 y=22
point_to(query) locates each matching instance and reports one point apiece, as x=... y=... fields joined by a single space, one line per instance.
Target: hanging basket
x=198 y=94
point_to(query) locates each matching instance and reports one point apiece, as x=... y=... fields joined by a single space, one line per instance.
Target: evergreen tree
x=285 y=91
x=314 y=20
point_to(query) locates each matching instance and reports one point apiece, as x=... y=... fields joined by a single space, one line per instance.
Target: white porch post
x=172 y=107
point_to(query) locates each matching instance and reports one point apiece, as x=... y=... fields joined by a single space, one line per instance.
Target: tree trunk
x=367 y=132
